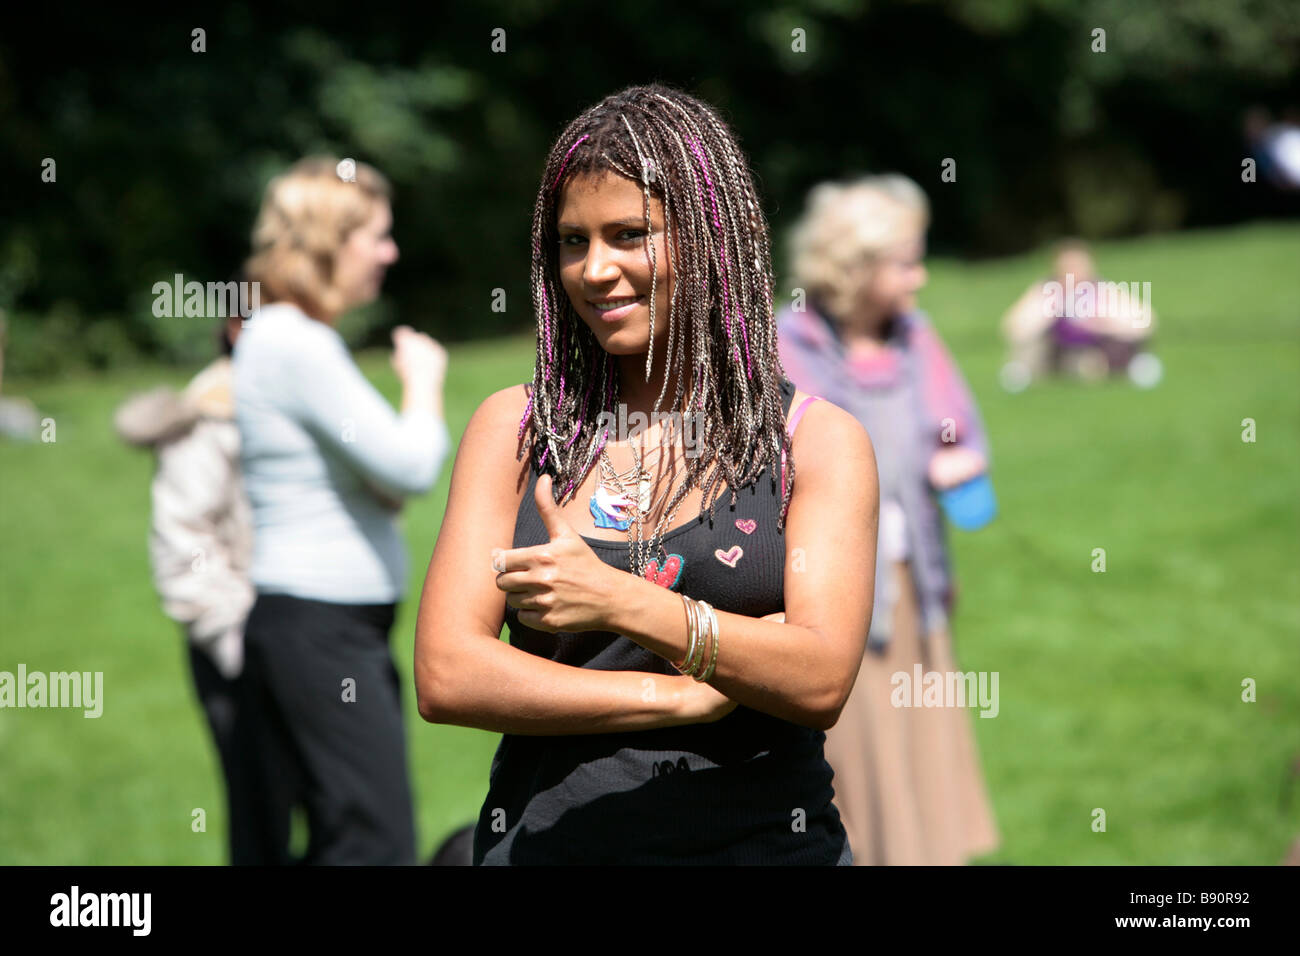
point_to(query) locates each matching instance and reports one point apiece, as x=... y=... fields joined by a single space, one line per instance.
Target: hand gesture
x=560 y=585
x=417 y=357
x=953 y=465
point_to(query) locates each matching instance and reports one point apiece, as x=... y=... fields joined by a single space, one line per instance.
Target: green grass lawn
x=1119 y=690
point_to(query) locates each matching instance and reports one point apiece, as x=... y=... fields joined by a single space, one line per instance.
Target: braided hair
x=677 y=148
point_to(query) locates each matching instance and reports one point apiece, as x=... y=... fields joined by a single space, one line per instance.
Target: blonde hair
x=845 y=226
x=307 y=213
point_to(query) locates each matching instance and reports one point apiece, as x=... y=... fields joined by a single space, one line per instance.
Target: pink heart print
x=731 y=556
x=668 y=576
x=746 y=525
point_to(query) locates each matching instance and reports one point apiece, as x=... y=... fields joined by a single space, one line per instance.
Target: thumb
x=552 y=517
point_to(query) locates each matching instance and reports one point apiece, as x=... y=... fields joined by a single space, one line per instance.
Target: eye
x=566 y=240
x=629 y=234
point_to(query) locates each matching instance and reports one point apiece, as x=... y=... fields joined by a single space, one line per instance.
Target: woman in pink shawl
x=907 y=778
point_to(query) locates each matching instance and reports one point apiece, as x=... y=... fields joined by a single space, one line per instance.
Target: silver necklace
x=626 y=502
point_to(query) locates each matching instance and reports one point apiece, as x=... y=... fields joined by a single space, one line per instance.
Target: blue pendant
x=610 y=511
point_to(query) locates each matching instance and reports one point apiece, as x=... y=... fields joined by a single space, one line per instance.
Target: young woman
x=651 y=277
x=326 y=464
x=907 y=780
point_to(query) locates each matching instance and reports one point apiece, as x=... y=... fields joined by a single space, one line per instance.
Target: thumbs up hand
x=560 y=585
x=557 y=526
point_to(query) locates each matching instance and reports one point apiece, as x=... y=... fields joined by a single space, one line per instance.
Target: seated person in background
x=1075 y=324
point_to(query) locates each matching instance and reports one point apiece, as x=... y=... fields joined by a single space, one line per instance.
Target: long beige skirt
x=908 y=783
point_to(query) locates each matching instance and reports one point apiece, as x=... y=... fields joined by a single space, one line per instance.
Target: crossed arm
x=801 y=669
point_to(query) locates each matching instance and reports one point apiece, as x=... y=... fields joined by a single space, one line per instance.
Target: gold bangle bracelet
x=694 y=661
x=713 y=658
x=690 y=635
x=708 y=642
x=706 y=636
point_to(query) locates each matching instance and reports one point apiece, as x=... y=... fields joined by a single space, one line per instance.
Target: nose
x=391 y=254
x=599 y=268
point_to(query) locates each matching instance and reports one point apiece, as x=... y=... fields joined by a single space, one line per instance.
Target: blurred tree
x=161 y=152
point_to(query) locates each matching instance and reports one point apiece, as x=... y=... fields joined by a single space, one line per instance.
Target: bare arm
x=464 y=674
x=1028 y=318
x=804 y=669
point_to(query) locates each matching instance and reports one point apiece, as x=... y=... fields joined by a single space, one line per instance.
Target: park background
x=1119 y=690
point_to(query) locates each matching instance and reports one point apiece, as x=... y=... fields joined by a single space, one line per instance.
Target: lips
x=611 y=310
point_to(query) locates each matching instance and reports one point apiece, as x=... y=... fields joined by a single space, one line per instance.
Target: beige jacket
x=201 y=535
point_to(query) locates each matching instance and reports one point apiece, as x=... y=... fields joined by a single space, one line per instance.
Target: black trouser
x=218 y=695
x=320 y=723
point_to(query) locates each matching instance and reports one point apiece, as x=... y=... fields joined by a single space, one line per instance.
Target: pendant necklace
x=624 y=499
x=620 y=495
x=613 y=498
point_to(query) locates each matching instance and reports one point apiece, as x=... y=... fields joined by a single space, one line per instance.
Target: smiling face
x=364 y=258
x=604 y=266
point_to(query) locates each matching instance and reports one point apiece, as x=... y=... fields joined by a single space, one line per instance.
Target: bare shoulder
x=492 y=437
x=827 y=438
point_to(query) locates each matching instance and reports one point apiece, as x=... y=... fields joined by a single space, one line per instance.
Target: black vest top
x=749 y=788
